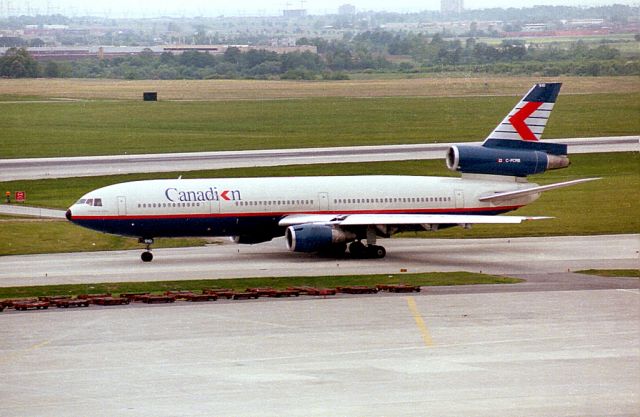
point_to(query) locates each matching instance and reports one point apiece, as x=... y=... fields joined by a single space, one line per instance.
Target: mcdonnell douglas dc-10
x=327 y=214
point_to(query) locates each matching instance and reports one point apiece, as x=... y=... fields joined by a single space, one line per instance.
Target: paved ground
x=495 y=256
x=20 y=210
x=33 y=168
x=554 y=353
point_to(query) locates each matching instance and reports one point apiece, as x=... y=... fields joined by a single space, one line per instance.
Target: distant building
x=584 y=22
x=451 y=6
x=534 y=27
x=292 y=13
x=347 y=10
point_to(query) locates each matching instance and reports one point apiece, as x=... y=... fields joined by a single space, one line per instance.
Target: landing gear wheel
x=375 y=251
x=357 y=249
x=146 y=256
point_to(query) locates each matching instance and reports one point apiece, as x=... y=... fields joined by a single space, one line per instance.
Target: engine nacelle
x=502 y=161
x=315 y=237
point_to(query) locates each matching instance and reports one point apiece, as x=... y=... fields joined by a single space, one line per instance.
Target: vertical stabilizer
x=527 y=120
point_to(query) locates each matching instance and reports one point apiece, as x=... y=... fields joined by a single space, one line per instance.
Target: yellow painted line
x=426 y=336
x=14 y=355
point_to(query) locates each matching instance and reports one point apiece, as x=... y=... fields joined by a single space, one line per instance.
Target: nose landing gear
x=146 y=256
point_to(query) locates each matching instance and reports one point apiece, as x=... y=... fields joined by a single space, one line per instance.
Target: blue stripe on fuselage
x=150 y=227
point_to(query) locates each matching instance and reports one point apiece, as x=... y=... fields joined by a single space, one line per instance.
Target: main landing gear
x=358 y=250
x=146 y=256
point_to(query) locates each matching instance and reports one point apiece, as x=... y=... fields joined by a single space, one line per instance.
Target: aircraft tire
x=146 y=256
x=357 y=250
x=377 y=252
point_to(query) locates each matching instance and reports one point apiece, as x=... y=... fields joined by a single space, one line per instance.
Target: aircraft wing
x=400 y=219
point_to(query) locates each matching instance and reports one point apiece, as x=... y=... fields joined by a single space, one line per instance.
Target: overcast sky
x=151 y=8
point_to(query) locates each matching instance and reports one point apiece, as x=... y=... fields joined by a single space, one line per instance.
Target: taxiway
x=36 y=168
x=531 y=255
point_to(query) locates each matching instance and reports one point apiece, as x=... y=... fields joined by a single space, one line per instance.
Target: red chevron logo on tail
x=518 y=120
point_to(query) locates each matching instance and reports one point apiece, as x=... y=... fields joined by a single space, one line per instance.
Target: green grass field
x=610 y=205
x=35 y=129
x=241 y=284
x=625 y=273
x=258 y=115
x=28 y=236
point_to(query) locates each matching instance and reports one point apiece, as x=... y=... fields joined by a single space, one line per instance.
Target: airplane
x=328 y=214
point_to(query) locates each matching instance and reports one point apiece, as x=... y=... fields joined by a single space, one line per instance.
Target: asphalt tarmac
x=551 y=353
x=505 y=256
x=560 y=344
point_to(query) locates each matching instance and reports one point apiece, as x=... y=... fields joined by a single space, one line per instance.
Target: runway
x=505 y=256
x=36 y=168
x=559 y=353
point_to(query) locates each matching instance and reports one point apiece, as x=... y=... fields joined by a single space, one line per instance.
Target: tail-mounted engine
x=507 y=157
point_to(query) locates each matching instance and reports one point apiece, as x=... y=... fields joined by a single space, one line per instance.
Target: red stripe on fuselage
x=288 y=213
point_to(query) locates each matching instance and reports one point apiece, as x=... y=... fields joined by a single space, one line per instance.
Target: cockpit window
x=96 y=202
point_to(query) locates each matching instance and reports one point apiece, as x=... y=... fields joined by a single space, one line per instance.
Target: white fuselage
x=243 y=206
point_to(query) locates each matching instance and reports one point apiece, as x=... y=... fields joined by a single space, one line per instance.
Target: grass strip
x=624 y=273
x=241 y=284
x=50 y=129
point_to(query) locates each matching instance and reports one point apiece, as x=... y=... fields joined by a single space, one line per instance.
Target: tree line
x=373 y=51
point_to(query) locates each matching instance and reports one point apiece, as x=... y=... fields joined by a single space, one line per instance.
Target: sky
x=189 y=8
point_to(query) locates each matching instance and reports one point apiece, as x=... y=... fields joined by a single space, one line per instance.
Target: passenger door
x=323 y=201
x=459 y=198
x=122 y=206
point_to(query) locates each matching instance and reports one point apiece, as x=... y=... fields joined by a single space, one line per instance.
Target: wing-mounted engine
x=500 y=157
x=316 y=237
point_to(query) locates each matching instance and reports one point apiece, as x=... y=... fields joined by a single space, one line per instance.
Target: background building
x=347 y=10
x=451 y=6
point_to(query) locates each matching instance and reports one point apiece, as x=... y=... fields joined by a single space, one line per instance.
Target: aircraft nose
x=68 y=215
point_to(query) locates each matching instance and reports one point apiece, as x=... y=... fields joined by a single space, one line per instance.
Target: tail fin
x=514 y=147
x=527 y=120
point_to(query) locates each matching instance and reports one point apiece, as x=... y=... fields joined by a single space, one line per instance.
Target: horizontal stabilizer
x=511 y=195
